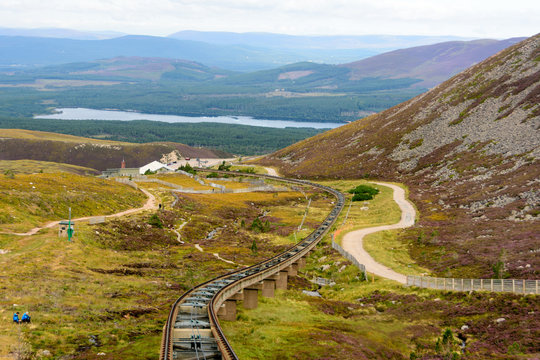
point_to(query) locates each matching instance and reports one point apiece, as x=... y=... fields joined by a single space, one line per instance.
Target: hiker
x=25 y=318
x=16 y=318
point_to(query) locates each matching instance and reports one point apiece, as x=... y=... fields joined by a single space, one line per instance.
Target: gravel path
x=149 y=205
x=271 y=171
x=353 y=241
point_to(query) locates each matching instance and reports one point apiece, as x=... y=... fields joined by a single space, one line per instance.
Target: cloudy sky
x=469 y=18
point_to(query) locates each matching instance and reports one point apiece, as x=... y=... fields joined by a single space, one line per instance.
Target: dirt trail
x=271 y=171
x=149 y=205
x=216 y=255
x=353 y=241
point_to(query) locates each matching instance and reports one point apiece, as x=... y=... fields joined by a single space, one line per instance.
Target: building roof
x=153 y=166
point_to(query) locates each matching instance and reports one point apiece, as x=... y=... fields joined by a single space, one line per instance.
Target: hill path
x=149 y=205
x=271 y=171
x=353 y=241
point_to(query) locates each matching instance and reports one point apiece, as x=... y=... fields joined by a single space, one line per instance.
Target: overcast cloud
x=469 y=18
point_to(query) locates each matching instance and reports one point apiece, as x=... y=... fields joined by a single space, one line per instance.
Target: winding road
x=353 y=241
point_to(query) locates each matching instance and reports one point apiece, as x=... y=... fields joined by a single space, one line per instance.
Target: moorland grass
x=29 y=200
x=34 y=166
x=385 y=247
x=81 y=289
x=182 y=180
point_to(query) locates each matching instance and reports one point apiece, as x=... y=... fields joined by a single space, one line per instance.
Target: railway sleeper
x=196 y=347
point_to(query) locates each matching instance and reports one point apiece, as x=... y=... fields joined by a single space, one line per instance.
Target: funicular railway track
x=192 y=330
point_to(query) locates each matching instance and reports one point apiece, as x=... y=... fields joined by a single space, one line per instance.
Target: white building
x=155 y=166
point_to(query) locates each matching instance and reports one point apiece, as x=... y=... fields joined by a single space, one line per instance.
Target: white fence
x=518 y=286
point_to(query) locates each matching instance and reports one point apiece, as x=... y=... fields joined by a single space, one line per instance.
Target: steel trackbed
x=192 y=330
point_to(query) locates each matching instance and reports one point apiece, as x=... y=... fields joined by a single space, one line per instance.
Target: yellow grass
x=382 y=210
x=386 y=249
x=34 y=166
x=42 y=135
x=29 y=200
x=182 y=180
x=230 y=184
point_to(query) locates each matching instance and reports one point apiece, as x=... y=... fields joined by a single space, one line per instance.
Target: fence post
x=453 y=284
x=444 y=283
x=462 y=287
x=524 y=286
x=472 y=285
x=481 y=284
x=491 y=285
x=537 y=286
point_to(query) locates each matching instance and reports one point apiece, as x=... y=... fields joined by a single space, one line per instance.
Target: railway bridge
x=192 y=330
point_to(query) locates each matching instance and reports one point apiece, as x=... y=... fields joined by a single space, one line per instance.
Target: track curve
x=192 y=330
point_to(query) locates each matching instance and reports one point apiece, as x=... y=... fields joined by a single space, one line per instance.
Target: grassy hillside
x=96 y=154
x=430 y=63
x=32 y=167
x=110 y=290
x=468 y=150
x=30 y=200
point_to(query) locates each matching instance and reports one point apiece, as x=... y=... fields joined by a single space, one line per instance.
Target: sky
x=467 y=18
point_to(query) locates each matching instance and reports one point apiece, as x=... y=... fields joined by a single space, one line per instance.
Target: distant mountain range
x=420 y=67
x=377 y=43
x=232 y=51
x=303 y=91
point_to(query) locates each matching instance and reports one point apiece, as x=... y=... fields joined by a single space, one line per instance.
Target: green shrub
x=155 y=221
x=212 y=175
x=188 y=168
x=363 y=192
x=224 y=167
x=248 y=170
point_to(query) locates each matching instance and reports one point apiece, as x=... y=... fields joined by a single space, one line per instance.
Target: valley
x=335 y=178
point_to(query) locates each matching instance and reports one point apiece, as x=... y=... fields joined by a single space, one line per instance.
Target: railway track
x=192 y=330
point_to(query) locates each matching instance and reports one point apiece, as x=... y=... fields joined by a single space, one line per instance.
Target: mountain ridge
x=469 y=151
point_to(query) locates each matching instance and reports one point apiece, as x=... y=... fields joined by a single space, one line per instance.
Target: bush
x=188 y=168
x=155 y=221
x=212 y=175
x=248 y=170
x=363 y=192
x=224 y=167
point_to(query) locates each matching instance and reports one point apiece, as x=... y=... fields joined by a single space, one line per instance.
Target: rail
x=205 y=300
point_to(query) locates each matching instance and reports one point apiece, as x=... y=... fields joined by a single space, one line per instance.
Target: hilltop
x=92 y=153
x=467 y=149
x=432 y=64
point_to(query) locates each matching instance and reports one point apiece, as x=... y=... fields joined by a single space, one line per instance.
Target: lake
x=91 y=114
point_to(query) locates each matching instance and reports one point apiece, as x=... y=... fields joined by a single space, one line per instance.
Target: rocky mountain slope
x=92 y=153
x=469 y=152
x=431 y=63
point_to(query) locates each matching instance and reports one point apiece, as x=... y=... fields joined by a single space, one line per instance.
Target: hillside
x=33 y=166
x=95 y=154
x=430 y=63
x=468 y=150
